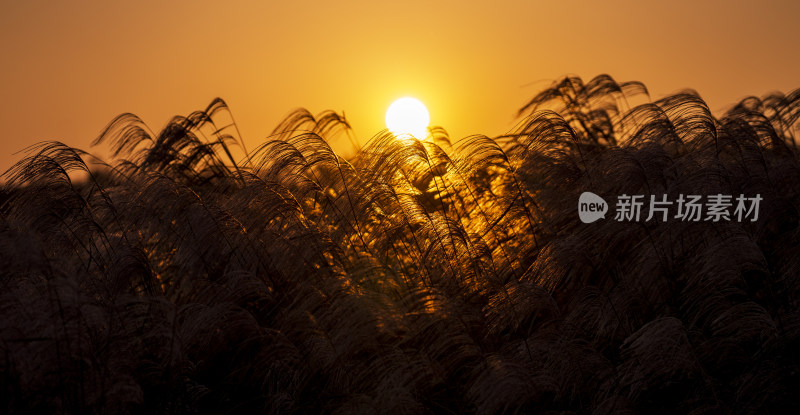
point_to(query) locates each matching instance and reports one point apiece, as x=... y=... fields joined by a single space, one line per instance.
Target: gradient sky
x=69 y=67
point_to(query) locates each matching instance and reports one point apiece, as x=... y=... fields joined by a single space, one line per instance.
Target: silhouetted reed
x=420 y=276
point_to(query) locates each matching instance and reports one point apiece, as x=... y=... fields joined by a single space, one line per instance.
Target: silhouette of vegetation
x=418 y=276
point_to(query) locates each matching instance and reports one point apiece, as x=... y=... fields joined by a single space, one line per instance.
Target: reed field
x=433 y=276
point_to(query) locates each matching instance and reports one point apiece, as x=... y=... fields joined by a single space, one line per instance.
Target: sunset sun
x=571 y=207
x=408 y=116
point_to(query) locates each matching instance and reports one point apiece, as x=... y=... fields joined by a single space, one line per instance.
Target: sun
x=408 y=116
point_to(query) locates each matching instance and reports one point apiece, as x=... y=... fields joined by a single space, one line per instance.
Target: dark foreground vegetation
x=417 y=277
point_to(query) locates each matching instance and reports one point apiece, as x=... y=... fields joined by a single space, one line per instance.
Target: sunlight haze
x=70 y=67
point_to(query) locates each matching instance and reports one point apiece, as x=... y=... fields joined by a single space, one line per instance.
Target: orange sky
x=69 y=67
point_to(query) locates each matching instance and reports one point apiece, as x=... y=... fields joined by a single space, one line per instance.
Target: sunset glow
x=408 y=116
x=247 y=207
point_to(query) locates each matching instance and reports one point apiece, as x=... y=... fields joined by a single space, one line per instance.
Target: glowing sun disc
x=408 y=116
